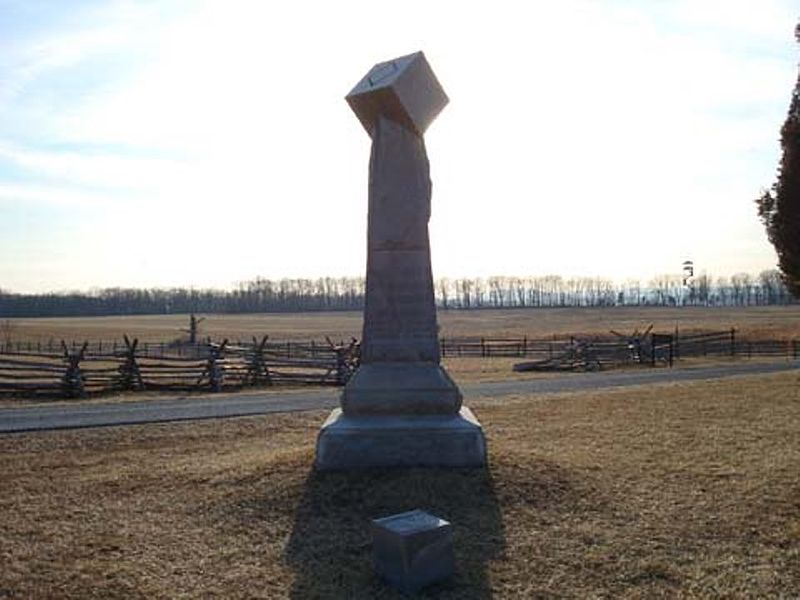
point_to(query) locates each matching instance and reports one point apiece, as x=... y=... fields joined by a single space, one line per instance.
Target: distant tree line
x=258 y=295
x=742 y=289
x=347 y=293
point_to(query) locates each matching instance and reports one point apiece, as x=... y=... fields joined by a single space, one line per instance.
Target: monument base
x=359 y=442
x=406 y=388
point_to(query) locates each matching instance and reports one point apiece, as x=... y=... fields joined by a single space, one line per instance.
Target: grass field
x=686 y=489
x=777 y=322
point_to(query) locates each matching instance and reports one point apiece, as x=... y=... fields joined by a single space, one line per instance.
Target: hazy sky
x=205 y=143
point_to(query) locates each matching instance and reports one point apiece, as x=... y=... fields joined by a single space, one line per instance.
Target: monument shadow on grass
x=330 y=548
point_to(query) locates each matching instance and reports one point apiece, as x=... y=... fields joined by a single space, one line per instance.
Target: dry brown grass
x=782 y=322
x=476 y=370
x=684 y=489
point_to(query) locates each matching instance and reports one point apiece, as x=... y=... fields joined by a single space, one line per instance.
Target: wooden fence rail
x=77 y=371
x=72 y=370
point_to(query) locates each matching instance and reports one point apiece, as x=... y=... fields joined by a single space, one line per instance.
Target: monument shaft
x=400 y=310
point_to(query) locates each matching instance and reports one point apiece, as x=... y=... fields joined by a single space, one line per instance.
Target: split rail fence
x=75 y=371
x=72 y=370
x=617 y=350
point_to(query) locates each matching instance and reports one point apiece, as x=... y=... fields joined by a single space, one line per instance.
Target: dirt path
x=71 y=416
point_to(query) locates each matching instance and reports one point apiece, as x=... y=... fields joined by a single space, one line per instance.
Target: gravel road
x=98 y=414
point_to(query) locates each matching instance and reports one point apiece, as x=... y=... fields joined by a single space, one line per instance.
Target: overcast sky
x=206 y=143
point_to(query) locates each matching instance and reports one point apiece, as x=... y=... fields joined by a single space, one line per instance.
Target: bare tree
x=444 y=292
x=702 y=286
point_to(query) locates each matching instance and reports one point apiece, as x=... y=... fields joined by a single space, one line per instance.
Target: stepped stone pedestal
x=400 y=408
x=352 y=442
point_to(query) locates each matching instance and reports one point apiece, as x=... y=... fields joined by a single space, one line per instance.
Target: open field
x=682 y=489
x=775 y=322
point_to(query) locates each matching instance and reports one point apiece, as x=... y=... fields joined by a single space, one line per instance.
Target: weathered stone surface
x=358 y=442
x=412 y=550
x=396 y=388
x=403 y=89
x=400 y=312
x=399 y=190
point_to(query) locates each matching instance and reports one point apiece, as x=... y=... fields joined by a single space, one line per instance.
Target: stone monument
x=400 y=408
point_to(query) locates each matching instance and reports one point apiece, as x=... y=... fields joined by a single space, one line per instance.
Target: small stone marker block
x=413 y=549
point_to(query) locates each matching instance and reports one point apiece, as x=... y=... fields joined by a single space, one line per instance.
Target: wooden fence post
x=347 y=360
x=73 y=380
x=214 y=370
x=130 y=377
x=257 y=370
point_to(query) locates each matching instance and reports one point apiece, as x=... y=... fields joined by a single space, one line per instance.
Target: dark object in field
x=579 y=356
x=640 y=345
x=194 y=327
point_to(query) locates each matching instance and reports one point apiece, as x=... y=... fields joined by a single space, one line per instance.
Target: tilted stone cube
x=404 y=90
x=412 y=550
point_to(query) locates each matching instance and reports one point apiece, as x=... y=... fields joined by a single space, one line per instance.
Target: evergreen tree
x=779 y=208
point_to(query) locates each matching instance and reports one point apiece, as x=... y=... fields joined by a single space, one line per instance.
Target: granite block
x=396 y=388
x=363 y=442
x=412 y=550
